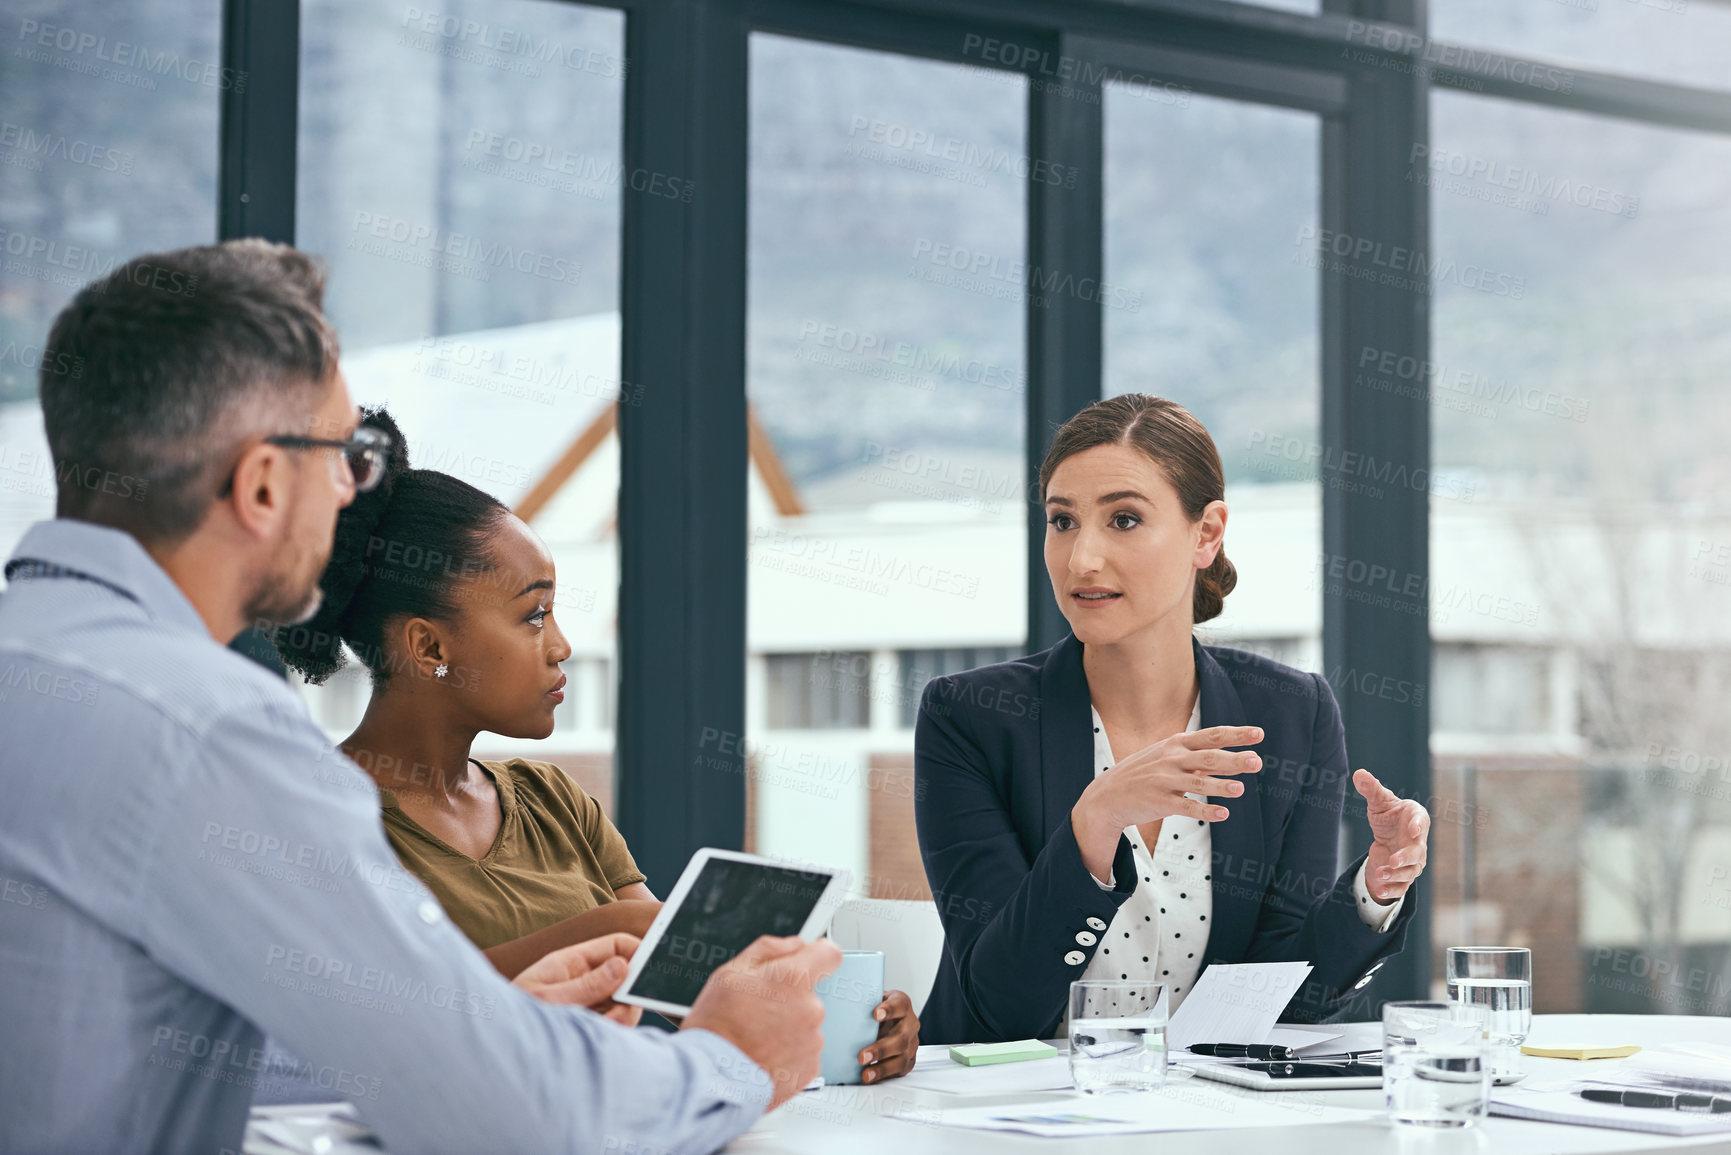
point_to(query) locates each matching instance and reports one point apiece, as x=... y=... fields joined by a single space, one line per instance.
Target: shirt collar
x=112 y=557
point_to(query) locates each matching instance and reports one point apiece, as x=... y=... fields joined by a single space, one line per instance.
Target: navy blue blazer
x=1003 y=752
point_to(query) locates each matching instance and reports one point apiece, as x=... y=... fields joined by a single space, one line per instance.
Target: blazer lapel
x=1239 y=873
x=1066 y=738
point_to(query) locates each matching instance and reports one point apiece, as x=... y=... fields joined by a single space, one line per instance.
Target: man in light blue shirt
x=186 y=863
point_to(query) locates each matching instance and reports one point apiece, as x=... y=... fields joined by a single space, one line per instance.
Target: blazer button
x=1368 y=975
x=1086 y=939
x=1096 y=924
x=1075 y=958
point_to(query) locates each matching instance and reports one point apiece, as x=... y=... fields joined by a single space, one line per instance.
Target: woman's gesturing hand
x=1151 y=784
x=1399 y=827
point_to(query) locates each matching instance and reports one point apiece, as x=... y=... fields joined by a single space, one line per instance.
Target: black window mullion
x=1066 y=228
x=1374 y=467
x=258 y=124
x=256 y=142
x=679 y=768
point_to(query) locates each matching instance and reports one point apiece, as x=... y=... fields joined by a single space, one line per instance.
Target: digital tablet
x=1293 y=1074
x=721 y=904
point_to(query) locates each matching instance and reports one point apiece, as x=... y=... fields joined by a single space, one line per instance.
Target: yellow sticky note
x=1579 y=1052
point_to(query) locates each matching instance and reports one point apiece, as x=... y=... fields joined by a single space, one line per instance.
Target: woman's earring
x=441 y=671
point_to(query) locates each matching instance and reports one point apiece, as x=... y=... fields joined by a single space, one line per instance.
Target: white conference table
x=900 y=1119
x=889 y=1118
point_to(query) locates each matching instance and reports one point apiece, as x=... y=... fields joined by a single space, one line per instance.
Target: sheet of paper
x=311 y=1129
x=934 y=1070
x=1187 y=1106
x=1235 y=1003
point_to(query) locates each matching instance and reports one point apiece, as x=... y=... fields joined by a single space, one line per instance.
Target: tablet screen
x=728 y=906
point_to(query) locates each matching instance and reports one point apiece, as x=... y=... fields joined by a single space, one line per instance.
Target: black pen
x=1264 y=1051
x=1681 y=1101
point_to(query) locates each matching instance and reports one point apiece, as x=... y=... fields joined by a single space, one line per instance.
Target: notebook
x=1551 y=1104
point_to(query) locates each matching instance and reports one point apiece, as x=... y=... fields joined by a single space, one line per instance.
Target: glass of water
x=1436 y=1068
x=1117 y=1036
x=1495 y=983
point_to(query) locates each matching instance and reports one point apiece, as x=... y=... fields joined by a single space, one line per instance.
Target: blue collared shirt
x=185 y=862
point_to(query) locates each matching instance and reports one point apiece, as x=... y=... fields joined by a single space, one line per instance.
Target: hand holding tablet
x=763 y=1003
x=723 y=902
x=732 y=951
x=585 y=974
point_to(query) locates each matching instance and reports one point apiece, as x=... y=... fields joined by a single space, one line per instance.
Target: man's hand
x=1398 y=827
x=586 y=974
x=761 y=1001
x=898 y=1039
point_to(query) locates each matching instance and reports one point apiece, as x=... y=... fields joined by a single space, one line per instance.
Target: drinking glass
x=1496 y=984
x=1117 y=1036
x=1436 y=1068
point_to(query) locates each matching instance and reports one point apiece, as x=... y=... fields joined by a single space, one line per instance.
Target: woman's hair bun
x=1212 y=586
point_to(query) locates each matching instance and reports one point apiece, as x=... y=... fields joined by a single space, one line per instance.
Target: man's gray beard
x=267 y=608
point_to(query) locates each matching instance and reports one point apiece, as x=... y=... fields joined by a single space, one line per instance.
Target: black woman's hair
x=402 y=550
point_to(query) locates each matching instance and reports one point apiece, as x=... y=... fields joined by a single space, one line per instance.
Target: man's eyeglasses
x=365 y=453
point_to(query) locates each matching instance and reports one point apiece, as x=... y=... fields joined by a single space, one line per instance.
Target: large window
x=460 y=173
x=1579 y=601
x=538 y=250
x=1683 y=41
x=108 y=135
x=1208 y=205
x=885 y=376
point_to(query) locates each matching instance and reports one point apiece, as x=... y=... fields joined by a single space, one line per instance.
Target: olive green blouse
x=556 y=855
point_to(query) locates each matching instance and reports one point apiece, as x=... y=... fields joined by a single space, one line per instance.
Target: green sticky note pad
x=985 y=1054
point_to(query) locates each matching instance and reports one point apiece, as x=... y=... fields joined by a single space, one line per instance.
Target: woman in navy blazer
x=1027 y=842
